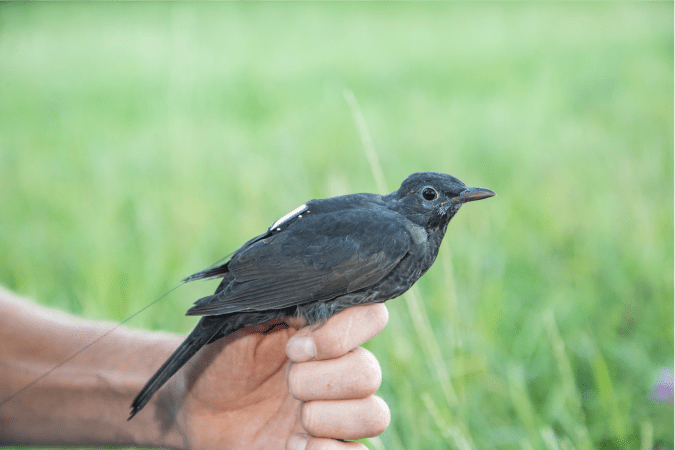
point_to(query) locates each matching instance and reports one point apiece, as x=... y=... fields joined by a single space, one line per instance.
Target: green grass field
x=140 y=143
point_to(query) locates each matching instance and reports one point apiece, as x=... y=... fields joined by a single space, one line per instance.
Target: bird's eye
x=429 y=194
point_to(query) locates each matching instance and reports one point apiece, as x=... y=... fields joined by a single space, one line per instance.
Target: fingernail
x=297 y=442
x=301 y=349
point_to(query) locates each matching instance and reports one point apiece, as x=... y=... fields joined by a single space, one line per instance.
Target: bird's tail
x=206 y=329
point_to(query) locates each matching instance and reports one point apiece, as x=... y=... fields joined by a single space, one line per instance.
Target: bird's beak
x=474 y=193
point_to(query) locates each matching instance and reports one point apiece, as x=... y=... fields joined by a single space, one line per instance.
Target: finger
x=340 y=334
x=332 y=444
x=354 y=375
x=295 y=321
x=345 y=419
x=298 y=442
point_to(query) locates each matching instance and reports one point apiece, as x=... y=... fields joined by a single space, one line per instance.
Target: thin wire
x=87 y=346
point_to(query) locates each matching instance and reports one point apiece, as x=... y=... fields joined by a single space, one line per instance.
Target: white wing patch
x=299 y=210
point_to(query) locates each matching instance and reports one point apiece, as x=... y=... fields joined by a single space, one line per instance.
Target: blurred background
x=139 y=143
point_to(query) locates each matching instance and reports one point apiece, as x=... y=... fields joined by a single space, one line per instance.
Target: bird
x=322 y=257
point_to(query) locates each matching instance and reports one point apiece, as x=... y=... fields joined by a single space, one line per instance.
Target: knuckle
x=332 y=444
x=373 y=371
x=291 y=380
x=307 y=416
x=369 y=370
x=381 y=416
x=379 y=316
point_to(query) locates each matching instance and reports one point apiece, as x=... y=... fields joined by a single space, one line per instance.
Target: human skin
x=281 y=388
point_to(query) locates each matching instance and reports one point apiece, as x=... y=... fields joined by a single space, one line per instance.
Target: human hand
x=284 y=389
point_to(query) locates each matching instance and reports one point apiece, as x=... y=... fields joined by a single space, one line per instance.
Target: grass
x=140 y=143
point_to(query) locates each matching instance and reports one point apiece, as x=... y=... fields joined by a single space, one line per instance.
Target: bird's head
x=431 y=199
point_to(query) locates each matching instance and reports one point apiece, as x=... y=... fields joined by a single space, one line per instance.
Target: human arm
x=235 y=392
x=85 y=401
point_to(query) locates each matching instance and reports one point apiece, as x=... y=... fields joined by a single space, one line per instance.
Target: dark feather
x=295 y=266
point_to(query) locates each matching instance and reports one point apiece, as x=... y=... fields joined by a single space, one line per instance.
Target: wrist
x=157 y=424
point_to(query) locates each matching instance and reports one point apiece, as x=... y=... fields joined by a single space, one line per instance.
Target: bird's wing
x=316 y=258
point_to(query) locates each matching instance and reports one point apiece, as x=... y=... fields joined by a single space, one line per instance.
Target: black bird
x=323 y=257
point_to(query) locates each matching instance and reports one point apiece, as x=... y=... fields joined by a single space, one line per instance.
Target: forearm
x=86 y=401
